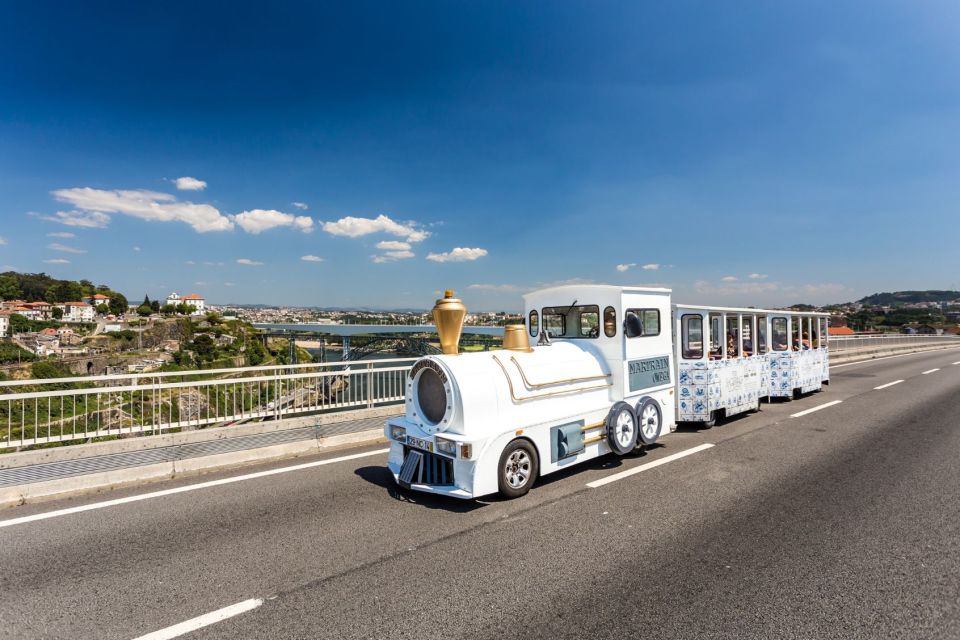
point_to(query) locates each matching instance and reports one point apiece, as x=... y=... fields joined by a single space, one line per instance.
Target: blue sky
x=744 y=153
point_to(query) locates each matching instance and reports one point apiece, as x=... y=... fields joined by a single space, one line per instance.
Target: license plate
x=419 y=443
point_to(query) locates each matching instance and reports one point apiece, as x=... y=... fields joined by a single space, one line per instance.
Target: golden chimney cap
x=515 y=338
x=448 y=315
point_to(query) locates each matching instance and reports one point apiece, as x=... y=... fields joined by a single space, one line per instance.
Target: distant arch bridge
x=358 y=347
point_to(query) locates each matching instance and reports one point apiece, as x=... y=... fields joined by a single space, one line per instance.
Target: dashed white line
x=817 y=408
x=205 y=620
x=930 y=371
x=957 y=362
x=650 y=465
x=889 y=384
x=869 y=360
x=184 y=489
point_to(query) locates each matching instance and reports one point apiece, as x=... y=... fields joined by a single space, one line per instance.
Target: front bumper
x=462 y=470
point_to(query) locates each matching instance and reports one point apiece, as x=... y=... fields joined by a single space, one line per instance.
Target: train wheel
x=650 y=419
x=712 y=422
x=622 y=429
x=517 y=469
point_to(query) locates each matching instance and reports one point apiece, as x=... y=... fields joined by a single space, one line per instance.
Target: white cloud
x=57 y=261
x=311 y=258
x=187 y=183
x=56 y=246
x=83 y=219
x=213 y=264
x=258 y=220
x=228 y=284
x=136 y=249
x=393 y=245
x=625 y=267
x=352 y=227
x=458 y=254
x=729 y=278
x=146 y=205
x=757 y=276
x=653 y=266
x=200 y=283
x=391 y=256
x=300 y=205
x=190 y=263
x=248 y=262
x=3 y=240
x=495 y=287
x=735 y=288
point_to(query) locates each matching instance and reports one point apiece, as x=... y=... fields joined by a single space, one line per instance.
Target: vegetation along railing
x=38 y=412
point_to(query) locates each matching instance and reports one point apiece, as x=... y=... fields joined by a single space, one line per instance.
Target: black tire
x=712 y=422
x=518 y=469
x=649 y=421
x=622 y=429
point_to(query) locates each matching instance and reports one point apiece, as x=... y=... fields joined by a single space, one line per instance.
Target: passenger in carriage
x=806 y=341
x=731 y=344
x=747 y=348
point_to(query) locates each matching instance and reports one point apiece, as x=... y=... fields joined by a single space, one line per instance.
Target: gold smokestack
x=515 y=338
x=448 y=315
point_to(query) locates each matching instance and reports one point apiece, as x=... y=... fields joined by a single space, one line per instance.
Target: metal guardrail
x=45 y=411
x=840 y=344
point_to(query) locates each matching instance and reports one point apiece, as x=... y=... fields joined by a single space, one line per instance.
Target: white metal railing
x=70 y=409
x=840 y=344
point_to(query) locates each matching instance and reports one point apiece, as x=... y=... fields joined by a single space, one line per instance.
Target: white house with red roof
x=77 y=312
x=4 y=323
x=194 y=300
x=96 y=300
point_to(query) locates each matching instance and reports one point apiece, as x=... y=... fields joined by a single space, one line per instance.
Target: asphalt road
x=841 y=523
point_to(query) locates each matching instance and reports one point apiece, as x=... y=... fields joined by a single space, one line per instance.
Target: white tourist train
x=614 y=369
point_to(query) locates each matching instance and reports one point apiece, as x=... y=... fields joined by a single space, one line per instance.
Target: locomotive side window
x=609 y=322
x=534 y=323
x=581 y=321
x=778 y=333
x=692 y=330
x=641 y=322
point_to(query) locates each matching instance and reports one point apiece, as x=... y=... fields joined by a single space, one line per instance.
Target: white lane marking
x=650 y=465
x=184 y=489
x=205 y=620
x=817 y=408
x=930 y=371
x=899 y=355
x=889 y=384
x=957 y=362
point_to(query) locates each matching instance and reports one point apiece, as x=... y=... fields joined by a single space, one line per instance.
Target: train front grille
x=424 y=467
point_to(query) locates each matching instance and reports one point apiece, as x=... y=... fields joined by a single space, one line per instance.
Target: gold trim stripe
x=544 y=395
x=540 y=385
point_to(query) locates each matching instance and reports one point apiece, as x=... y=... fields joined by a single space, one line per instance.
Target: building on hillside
x=43 y=309
x=4 y=323
x=194 y=300
x=7 y=305
x=77 y=312
x=840 y=331
x=96 y=300
x=29 y=313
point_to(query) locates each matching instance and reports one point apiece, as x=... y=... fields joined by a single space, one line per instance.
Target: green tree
x=64 y=291
x=46 y=369
x=168 y=309
x=118 y=303
x=184 y=309
x=19 y=324
x=57 y=313
x=155 y=305
x=205 y=348
x=144 y=310
x=103 y=309
x=9 y=287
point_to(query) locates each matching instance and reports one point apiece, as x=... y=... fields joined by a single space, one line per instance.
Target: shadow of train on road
x=382 y=477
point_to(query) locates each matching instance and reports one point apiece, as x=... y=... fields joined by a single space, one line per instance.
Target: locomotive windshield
x=581 y=321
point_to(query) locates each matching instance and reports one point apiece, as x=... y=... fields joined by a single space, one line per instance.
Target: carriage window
x=609 y=322
x=534 y=323
x=778 y=334
x=762 y=334
x=642 y=322
x=733 y=337
x=692 y=330
x=795 y=333
x=716 y=335
x=746 y=332
x=581 y=321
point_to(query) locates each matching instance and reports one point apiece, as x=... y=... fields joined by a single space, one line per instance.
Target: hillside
x=908 y=297
x=34 y=287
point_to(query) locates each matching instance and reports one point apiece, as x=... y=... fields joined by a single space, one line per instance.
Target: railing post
x=369 y=385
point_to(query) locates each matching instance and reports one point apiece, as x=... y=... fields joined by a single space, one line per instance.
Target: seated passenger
x=731 y=346
x=715 y=352
x=806 y=341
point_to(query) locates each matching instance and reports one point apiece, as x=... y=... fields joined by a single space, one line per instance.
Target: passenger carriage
x=602 y=378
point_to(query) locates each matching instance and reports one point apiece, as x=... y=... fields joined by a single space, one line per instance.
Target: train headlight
x=398 y=433
x=448 y=447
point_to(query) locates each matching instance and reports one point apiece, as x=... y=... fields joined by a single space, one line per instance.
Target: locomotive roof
x=781 y=312
x=606 y=288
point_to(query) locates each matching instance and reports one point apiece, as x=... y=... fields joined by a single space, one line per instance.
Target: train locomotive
x=612 y=371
